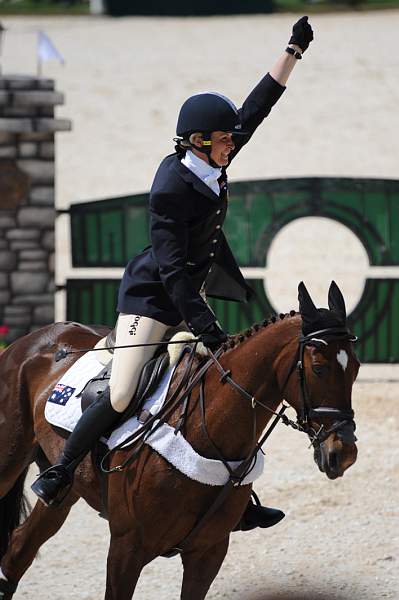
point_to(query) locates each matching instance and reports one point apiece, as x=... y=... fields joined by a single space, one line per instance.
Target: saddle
x=150 y=376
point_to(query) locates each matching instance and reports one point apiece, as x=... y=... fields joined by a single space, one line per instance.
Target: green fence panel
x=109 y=232
x=375 y=320
x=257 y=210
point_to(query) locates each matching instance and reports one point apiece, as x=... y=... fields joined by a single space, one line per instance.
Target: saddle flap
x=149 y=378
x=95 y=386
x=150 y=375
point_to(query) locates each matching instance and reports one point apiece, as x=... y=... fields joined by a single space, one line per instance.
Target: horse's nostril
x=333 y=460
x=319 y=459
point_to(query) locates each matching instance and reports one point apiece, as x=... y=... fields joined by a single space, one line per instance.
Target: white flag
x=46 y=49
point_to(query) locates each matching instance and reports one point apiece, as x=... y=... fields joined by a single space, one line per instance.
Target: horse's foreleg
x=200 y=569
x=124 y=565
x=42 y=524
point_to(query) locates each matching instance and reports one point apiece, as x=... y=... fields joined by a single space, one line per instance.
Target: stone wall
x=27 y=204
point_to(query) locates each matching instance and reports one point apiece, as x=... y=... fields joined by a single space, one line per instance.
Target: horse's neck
x=261 y=362
x=258 y=364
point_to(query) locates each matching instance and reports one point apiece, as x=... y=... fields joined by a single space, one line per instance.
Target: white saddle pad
x=63 y=409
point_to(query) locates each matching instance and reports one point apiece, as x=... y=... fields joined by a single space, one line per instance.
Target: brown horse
x=305 y=358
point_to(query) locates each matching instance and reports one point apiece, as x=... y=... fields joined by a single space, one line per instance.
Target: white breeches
x=128 y=362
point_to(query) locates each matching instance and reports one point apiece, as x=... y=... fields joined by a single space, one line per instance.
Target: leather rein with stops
x=342 y=425
x=343 y=419
x=236 y=476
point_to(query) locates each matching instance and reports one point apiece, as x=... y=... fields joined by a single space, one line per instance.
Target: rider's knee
x=120 y=399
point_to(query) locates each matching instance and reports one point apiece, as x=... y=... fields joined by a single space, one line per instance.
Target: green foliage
x=44 y=7
x=82 y=7
x=320 y=6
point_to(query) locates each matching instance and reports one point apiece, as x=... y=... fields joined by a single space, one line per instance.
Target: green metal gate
x=108 y=233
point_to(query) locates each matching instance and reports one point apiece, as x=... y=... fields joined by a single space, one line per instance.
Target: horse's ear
x=306 y=307
x=336 y=302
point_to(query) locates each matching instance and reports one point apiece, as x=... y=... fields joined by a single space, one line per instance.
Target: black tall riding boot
x=256 y=515
x=95 y=421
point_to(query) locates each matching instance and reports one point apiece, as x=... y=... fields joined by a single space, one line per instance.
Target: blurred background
x=89 y=97
x=330 y=139
x=183 y=7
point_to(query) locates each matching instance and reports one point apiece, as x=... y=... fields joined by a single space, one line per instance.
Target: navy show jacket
x=188 y=247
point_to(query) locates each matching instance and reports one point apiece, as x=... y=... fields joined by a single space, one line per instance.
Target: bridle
x=343 y=424
x=343 y=420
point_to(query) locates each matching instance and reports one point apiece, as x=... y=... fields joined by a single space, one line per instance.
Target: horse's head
x=328 y=367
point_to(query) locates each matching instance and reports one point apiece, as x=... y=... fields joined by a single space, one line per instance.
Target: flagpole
x=39 y=61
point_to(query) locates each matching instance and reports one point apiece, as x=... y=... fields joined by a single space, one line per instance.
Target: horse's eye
x=320 y=370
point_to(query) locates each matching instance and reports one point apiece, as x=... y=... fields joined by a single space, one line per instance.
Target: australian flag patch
x=61 y=394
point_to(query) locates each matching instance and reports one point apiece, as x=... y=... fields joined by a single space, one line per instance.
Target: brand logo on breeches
x=133 y=326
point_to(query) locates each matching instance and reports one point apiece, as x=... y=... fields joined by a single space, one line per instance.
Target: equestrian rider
x=189 y=255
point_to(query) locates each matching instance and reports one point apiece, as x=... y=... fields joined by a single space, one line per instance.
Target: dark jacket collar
x=196 y=182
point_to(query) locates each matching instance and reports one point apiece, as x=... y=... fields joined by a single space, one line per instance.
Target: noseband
x=343 y=420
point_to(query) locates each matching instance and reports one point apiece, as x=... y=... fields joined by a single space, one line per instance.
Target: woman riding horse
x=189 y=257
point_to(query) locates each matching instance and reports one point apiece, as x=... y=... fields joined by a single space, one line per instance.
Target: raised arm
x=302 y=35
x=268 y=91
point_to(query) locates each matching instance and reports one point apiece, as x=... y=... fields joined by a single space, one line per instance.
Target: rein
x=178 y=396
x=343 y=424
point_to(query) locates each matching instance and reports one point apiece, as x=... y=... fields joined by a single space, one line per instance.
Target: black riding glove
x=213 y=337
x=302 y=34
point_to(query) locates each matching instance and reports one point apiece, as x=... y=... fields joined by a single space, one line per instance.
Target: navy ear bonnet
x=315 y=319
x=324 y=320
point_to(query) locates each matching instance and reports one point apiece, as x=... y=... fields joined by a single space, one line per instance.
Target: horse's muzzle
x=334 y=457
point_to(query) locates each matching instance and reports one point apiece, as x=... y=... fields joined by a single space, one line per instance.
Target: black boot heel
x=51 y=483
x=256 y=515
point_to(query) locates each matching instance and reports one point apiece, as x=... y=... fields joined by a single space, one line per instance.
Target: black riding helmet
x=208 y=112
x=205 y=113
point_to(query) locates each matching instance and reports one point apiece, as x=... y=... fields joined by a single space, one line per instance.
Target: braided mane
x=238 y=338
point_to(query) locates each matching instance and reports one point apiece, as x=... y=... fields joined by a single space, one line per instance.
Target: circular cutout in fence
x=315 y=250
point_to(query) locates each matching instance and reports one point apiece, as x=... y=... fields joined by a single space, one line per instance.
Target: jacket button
x=214 y=241
x=218 y=226
x=218 y=212
x=211 y=254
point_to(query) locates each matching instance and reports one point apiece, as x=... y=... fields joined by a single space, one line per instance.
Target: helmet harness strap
x=206 y=147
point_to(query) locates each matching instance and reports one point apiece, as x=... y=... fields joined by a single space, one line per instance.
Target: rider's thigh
x=128 y=362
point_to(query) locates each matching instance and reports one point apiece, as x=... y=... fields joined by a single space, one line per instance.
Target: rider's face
x=222 y=145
